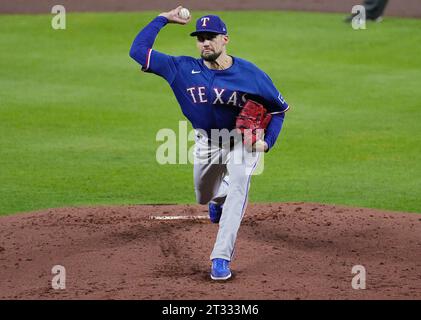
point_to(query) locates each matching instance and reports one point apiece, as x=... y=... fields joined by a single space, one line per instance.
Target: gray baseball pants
x=222 y=173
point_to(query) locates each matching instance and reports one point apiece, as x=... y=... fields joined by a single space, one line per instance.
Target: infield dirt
x=284 y=251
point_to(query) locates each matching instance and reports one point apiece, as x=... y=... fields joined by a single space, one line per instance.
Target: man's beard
x=212 y=57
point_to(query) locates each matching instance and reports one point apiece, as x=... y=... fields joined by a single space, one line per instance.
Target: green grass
x=78 y=119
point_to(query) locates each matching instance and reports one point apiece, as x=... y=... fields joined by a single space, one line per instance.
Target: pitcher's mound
x=284 y=251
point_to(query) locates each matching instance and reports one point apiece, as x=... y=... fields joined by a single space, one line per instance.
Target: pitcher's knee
x=202 y=198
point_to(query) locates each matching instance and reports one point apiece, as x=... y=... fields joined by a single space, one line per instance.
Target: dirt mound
x=284 y=251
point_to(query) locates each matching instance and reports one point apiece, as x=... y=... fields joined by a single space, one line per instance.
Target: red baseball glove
x=252 y=122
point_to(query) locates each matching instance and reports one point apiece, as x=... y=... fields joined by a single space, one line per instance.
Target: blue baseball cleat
x=220 y=269
x=215 y=212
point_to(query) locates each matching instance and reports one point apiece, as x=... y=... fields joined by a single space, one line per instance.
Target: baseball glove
x=252 y=122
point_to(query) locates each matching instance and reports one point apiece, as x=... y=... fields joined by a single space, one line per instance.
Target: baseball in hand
x=184 y=13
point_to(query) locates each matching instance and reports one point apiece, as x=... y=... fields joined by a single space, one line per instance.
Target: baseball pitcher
x=218 y=93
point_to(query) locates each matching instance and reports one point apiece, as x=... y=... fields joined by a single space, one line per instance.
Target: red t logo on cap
x=205 y=21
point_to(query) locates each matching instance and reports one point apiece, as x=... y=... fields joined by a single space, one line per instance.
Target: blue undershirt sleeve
x=273 y=129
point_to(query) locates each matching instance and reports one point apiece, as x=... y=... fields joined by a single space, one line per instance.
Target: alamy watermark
x=58 y=22
x=359 y=280
x=219 y=147
x=59 y=280
x=359 y=17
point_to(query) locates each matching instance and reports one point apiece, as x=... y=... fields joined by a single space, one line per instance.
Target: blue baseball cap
x=210 y=23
